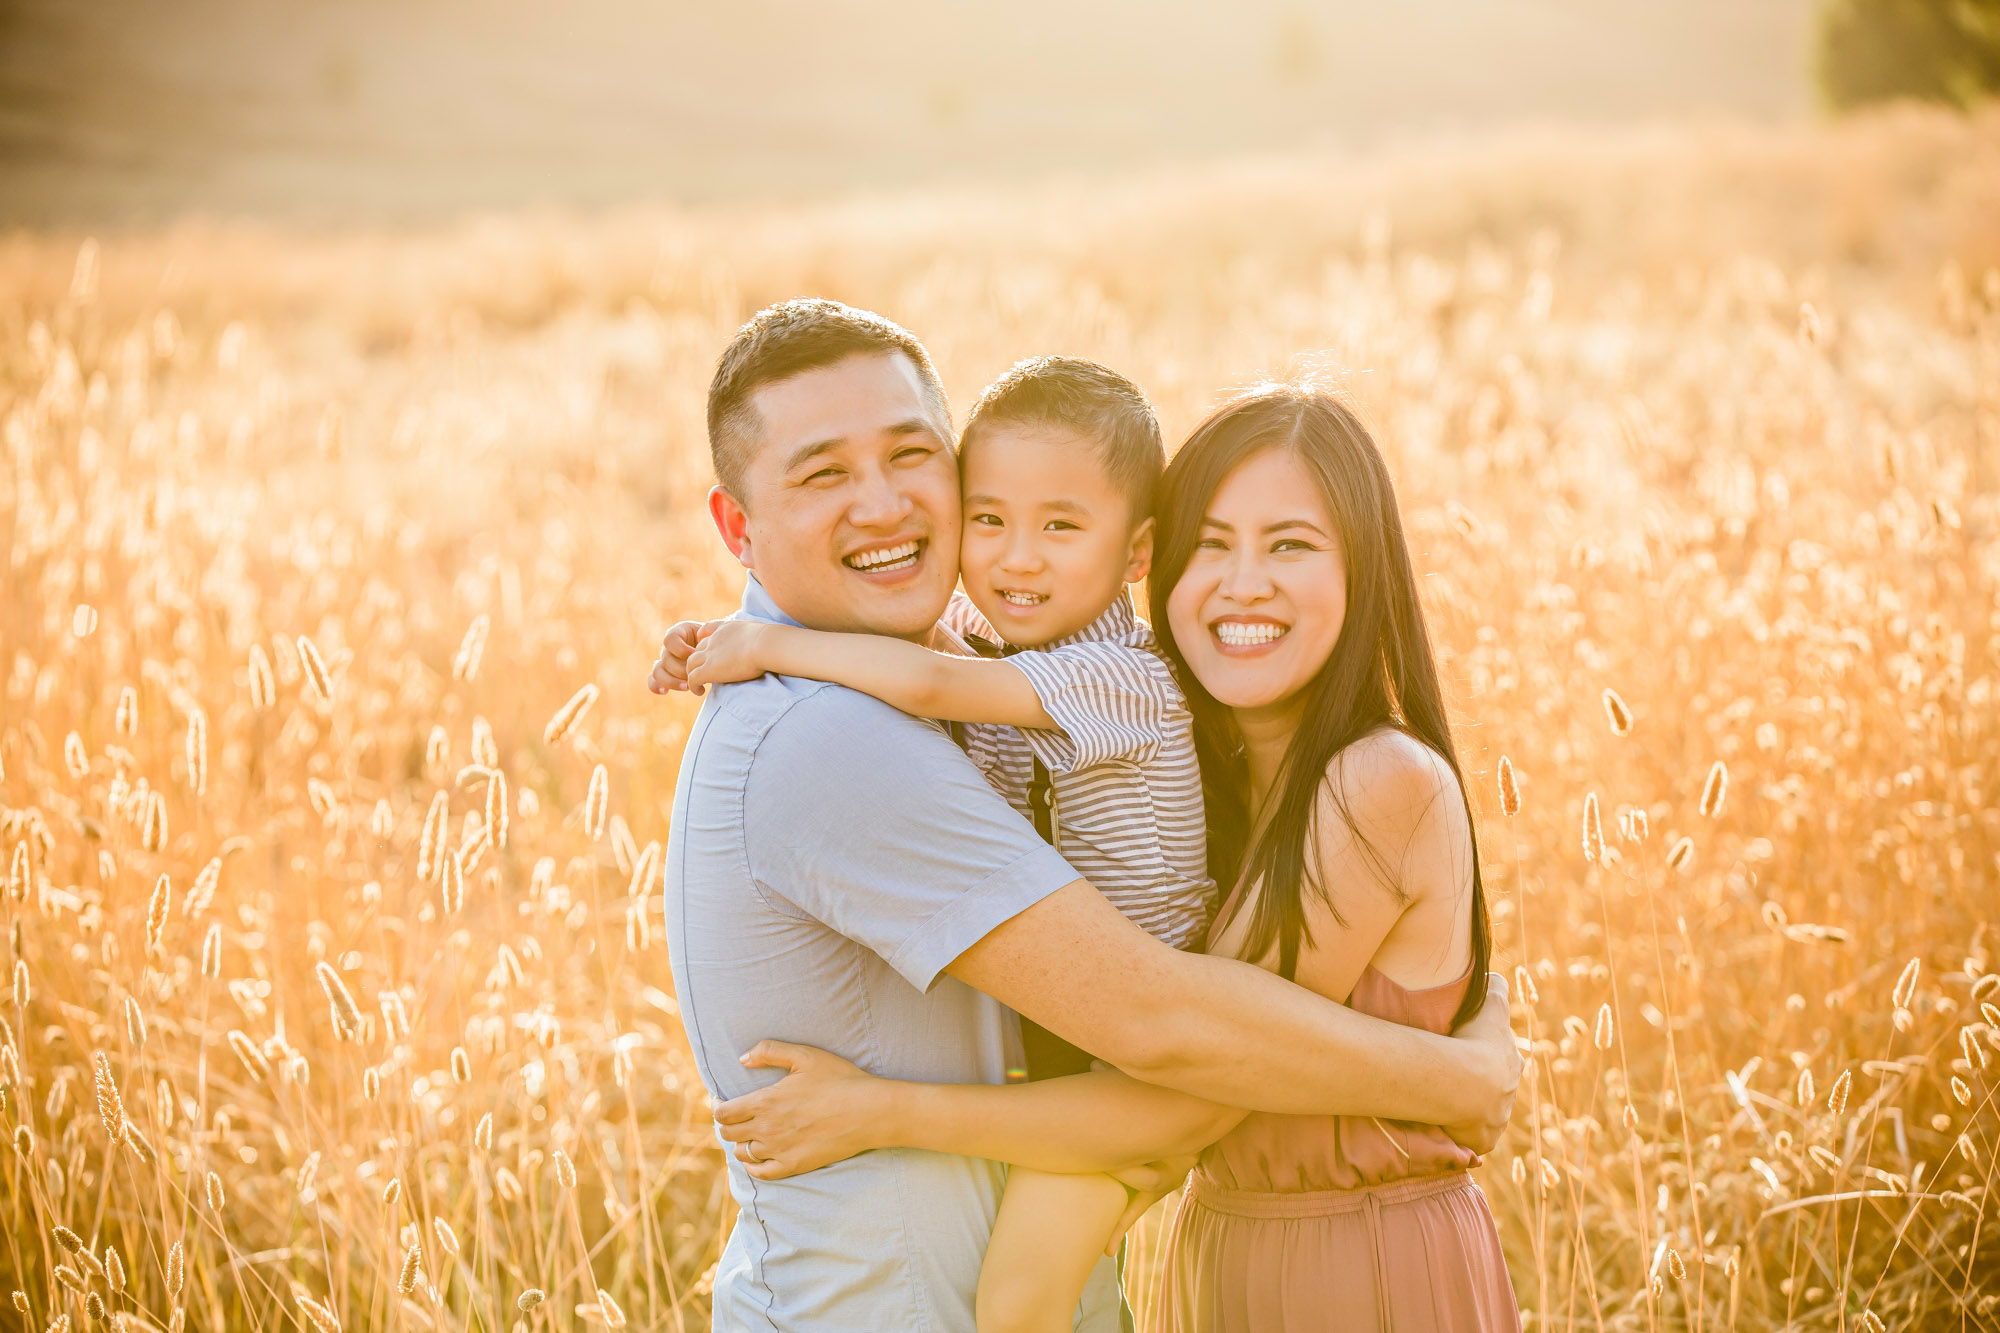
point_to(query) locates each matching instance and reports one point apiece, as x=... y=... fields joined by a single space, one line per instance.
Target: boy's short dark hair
x=1097 y=403
x=789 y=339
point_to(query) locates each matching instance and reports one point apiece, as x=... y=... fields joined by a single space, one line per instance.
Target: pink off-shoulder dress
x=1339 y=1224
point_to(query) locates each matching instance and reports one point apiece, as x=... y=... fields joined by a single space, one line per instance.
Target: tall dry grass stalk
x=291 y=521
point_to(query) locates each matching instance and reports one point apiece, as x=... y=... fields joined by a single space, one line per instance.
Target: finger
x=746 y=1153
x=707 y=628
x=737 y=1131
x=769 y=1054
x=1135 y=1208
x=737 y=1110
x=770 y=1170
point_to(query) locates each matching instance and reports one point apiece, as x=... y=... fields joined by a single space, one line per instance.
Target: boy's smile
x=1048 y=540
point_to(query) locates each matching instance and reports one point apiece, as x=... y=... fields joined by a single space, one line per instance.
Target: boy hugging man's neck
x=1072 y=714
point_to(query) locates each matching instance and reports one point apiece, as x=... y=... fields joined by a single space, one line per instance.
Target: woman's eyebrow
x=1283 y=524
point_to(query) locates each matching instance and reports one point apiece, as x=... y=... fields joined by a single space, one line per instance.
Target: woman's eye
x=1291 y=544
x=1211 y=544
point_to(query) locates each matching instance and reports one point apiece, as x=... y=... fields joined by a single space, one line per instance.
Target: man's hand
x=671 y=671
x=1497 y=1063
x=727 y=651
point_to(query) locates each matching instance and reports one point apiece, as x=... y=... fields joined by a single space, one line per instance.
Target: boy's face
x=1048 y=541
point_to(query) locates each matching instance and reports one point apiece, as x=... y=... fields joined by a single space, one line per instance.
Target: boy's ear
x=1139 y=559
x=733 y=522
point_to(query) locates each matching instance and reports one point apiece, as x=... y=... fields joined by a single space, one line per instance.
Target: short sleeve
x=1112 y=701
x=873 y=823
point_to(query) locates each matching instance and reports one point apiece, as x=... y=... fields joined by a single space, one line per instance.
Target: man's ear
x=733 y=523
x=1139 y=561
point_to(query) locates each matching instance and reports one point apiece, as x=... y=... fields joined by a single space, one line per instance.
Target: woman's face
x=1260 y=605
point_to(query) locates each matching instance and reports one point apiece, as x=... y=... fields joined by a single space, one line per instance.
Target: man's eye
x=823 y=474
x=902 y=455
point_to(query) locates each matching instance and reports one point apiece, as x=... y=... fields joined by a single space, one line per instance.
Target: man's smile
x=887 y=559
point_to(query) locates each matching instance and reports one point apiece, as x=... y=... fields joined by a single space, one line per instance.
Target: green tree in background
x=1935 y=50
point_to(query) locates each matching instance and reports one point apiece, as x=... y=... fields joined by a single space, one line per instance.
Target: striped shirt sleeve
x=1111 y=701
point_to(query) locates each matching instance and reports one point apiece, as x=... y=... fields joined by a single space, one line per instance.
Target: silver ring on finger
x=750 y=1153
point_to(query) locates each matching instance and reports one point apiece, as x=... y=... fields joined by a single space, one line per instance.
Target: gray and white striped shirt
x=1127 y=788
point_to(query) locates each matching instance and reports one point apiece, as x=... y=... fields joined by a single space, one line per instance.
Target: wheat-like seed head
x=608 y=1310
x=430 y=846
x=211 y=953
x=252 y=1058
x=1836 y=1100
x=1906 y=984
x=1593 y=831
x=126 y=717
x=346 y=1016
x=263 y=685
x=110 y=1106
x=1714 y=790
x=197 y=751
x=154 y=833
x=596 y=802
x=565 y=1169
x=465 y=662
x=406 y=1281
x=447 y=1238
x=315 y=668
x=320 y=1316
x=1601 y=1038
x=454 y=884
x=1617 y=714
x=569 y=716
x=135 y=1023
x=156 y=912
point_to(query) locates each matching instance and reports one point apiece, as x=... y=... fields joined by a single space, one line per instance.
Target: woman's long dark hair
x=1381 y=672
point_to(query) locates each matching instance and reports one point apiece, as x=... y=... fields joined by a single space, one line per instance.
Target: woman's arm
x=826 y=1110
x=910 y=677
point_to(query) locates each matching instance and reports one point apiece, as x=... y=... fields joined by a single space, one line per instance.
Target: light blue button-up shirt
x=829 y=857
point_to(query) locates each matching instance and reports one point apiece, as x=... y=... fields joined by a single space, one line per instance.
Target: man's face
x=851 y=517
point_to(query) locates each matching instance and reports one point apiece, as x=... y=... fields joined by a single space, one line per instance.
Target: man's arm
x=908 y=676
x=1231 y=1032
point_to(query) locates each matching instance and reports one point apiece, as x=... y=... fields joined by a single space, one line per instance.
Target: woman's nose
x=1246 y=581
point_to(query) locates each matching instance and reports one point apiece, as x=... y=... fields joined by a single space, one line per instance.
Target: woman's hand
x=824 y=1110
x=727 y=651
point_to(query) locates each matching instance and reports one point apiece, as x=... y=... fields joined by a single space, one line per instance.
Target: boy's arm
x=904 y=675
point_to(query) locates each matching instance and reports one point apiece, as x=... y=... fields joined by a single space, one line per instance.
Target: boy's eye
x=1060 y=525
x=987 y=520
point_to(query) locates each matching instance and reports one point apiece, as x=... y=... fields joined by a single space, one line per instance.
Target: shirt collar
x=1119 y=623
x=757 y=604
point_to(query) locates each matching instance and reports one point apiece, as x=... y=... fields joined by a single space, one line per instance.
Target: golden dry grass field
x=338 y=992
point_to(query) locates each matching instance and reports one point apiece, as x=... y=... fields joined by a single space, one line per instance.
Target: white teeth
x=1023 y=598
x=882 y=559
x=1239 y=635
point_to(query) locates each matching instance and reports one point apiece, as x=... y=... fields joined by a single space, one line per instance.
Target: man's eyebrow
x=806 y=453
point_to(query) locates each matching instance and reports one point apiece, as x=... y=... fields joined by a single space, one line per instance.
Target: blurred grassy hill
x=134 y=110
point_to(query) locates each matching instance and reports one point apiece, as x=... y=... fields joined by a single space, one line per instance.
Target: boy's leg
x=1049 y=1235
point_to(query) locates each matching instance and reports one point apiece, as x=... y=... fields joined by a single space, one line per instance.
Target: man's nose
x=879 y=502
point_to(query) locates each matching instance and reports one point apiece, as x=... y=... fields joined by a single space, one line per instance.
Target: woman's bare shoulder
x=1389 y=778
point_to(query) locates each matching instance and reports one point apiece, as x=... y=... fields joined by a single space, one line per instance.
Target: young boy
x=1070 y=712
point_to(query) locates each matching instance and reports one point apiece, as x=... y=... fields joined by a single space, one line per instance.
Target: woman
x=1284 y=596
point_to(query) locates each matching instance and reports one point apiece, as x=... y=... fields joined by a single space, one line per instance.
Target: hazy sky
x=115 y=109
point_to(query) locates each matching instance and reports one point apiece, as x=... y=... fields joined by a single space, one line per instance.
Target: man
x=840 y=875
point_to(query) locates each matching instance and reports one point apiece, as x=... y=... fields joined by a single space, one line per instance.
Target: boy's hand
x=727 y=651
x=671 y=671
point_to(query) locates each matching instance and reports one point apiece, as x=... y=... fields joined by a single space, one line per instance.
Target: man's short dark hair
x=789 y=339
x=1101 y=406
